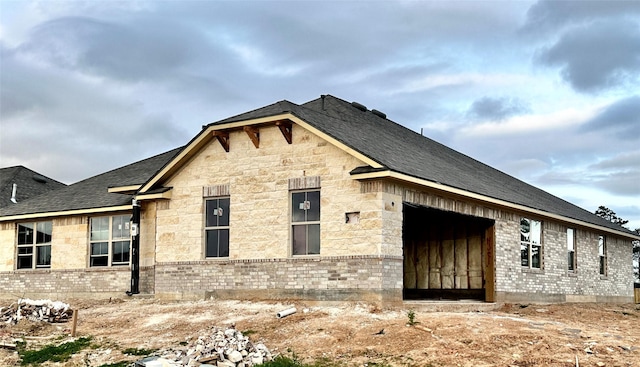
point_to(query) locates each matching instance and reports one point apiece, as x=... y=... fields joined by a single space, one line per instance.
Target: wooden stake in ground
x=74 y=323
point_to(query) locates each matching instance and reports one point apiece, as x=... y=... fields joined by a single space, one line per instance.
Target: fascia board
x=161 y=195
x=119 y=189
x=65 y=213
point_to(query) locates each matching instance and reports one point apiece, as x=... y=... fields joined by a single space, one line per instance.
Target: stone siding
x=365 y=278
x=259 y=185
x=62 y=284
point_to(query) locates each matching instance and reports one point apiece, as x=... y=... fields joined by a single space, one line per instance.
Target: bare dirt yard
x=352 y=334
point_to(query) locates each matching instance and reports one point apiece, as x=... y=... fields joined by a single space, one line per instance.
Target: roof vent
x=40 y=179
x=379 y=114
x=14 y=191
x=359 y=106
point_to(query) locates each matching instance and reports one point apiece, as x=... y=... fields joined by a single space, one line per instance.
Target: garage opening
x=447 y=256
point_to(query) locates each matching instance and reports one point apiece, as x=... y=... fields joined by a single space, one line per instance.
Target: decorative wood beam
x=223 y=138
x=285 y=129
x=254 y=134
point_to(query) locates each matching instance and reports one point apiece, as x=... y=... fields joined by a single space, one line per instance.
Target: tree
x=611 y=216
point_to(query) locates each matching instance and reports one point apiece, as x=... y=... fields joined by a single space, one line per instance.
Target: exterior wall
x=61 y=284
x=513 y=283
x=148 y=239
x=333 y=278
x=553 y=283
x=257 y=181
x=69 y=274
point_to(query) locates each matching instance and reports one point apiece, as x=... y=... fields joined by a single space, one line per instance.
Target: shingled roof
x=93 y=192
x=393 y=147
x=401 y=150
x=28 y=184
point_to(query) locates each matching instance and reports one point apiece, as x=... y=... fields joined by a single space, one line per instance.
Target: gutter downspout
x=135 y=249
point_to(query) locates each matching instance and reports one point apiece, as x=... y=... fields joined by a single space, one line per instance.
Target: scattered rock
x=221 y=348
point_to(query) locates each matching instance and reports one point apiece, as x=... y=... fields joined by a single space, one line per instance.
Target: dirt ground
x=355 y=334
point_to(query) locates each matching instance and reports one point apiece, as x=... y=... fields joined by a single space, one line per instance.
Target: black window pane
x=536 y=260
x=313 y=213
x=571 y=261
x=223 y=242
x=100 y=248
x=524 y=254
x=43 y=256
x=25 y=250
x=25 y=234
x=120 y=252
x=298 y=206
x=99 y=261
x=213 y=246
x=44 y=230
x=223 y=212
x=313 y=238
x=211 y=218
x=603 y=265
x=300 y=240
x=525 y=229
x=25 y=262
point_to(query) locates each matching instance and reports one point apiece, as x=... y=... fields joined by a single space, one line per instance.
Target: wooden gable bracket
x=254 y=134
x=285 y=129
x=223 y=138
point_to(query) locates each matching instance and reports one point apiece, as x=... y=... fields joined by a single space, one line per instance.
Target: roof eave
x=389 y=174
x=62 y=213
x=206 y=135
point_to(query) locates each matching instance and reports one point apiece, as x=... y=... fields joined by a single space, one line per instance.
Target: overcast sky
x=545 y=91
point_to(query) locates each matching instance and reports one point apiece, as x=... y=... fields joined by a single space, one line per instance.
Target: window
x=531 y=243
x=217 y=227
x=305 y=222
x=602 y=253
x=571 y=249
x=34 y=245
x=110 y=241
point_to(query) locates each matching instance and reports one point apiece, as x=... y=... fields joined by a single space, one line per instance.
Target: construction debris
x=228 y=347
x=36 y=310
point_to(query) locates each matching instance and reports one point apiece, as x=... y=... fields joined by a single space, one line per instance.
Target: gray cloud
x=488 y=108
x=550 y=15
x=621 y=118
x=597 y=56
x=99 y=85
x=621 y=183
x=627 y=160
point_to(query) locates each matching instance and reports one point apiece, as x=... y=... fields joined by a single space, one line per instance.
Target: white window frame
x=218 y=212
x=32 y=248
x=305 y=223
x=602 y=255
x=529 y=241
x=110 y=241
x=572 y=257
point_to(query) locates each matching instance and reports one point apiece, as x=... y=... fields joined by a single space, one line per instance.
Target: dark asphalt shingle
x=93 y=192
x=29 y=184
x=405 y=151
